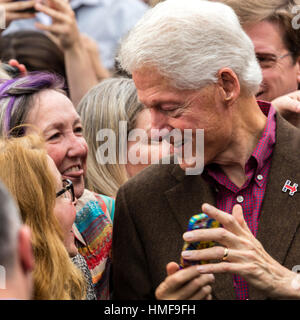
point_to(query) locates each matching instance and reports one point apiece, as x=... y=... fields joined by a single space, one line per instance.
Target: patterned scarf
x=93 y=232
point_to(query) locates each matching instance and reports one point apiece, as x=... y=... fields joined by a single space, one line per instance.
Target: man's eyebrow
x=158 y=103
x=263 y=53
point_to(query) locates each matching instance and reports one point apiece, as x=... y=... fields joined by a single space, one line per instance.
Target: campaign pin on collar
x=292 y=188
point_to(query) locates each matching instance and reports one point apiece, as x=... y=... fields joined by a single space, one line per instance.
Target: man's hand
x=245 y=256
x=14 y=10
x=185 y=284
x=289 y=107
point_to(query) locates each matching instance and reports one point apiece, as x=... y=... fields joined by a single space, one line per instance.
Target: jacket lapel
x=279 y=218
x=186 y=199
x=276 y=227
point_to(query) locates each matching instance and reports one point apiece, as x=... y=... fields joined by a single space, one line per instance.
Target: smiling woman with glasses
x=33 y=101
x=67 y=190
x=47 y=206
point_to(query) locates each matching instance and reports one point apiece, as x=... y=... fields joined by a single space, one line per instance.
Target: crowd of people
x=101 y=103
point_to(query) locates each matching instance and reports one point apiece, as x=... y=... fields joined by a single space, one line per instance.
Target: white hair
x=188 y=42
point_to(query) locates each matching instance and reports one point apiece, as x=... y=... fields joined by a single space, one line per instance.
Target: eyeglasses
x=67 y=190
x=269 y=60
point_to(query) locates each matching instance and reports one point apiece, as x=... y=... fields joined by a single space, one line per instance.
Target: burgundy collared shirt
x=250 y=196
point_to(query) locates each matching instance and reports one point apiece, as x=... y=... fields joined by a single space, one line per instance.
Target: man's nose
x=158 y=119
x=159 y=125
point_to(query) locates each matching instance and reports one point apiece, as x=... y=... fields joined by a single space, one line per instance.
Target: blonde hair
x=103 y=107
x=32 y=184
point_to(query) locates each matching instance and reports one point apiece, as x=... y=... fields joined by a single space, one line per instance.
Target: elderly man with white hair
x=195 y=68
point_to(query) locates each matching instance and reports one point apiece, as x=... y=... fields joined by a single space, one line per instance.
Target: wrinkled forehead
x=51 y=106
x=267 y=37
x=154 y=89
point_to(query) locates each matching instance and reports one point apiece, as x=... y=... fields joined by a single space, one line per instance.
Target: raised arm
x=64 y=31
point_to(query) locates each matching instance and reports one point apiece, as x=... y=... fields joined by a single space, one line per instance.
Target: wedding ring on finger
x=226 y=252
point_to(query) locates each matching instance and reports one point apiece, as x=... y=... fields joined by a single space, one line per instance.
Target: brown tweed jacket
x=153 y=209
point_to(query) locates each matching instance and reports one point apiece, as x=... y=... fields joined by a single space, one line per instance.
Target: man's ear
x=229 y=85
x=25 y=251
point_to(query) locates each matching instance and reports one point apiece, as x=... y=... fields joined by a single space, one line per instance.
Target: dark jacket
x=153 y=209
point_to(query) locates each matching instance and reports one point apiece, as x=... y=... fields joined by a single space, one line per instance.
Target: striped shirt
x=250 y=196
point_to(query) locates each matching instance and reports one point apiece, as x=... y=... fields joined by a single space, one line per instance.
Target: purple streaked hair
x=14 y=93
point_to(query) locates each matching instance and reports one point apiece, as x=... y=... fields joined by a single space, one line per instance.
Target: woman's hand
x=14 y=10
x=64 y=26
x=65 y=33
x=245 y=255
x=289 y=107
x=21 y=67
x=185 y=284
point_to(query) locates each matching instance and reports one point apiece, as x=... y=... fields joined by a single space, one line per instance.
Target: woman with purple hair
x=38 y=102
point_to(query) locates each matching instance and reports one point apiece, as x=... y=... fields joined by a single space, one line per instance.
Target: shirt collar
x=261 y=153
x=264 y=147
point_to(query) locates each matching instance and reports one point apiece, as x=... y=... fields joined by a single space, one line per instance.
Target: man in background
x=269 y=24
x=16 y=257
